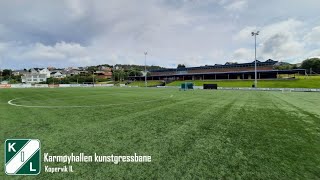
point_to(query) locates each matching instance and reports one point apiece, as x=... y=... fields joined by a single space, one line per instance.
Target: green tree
x=181 y=66
x=313 y=63
x=6 y=72
x=134 y=72
x=117 y=75
x=92 y=69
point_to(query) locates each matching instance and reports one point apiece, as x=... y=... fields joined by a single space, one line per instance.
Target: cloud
x=243 y=55
x=238 y=5
x=313 y=36
x=289 y=26
x=39 y=55
x=281 y=46
x=78 y=8
x=314 y=54
x=195 y=32
x=280 y=40
x=245 y=33
x=59 y=52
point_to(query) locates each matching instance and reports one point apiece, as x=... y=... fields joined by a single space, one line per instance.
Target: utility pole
x=145 y=68
x=255 y=34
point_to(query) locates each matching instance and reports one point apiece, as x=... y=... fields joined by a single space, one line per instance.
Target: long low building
x=265 y=70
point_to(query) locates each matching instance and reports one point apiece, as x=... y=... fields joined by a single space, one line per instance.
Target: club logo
x=22 y=157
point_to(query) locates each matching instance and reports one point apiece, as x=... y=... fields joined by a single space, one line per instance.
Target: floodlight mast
x=145 y=68
x=93 y=78
x=0 y=71
x=255 y=34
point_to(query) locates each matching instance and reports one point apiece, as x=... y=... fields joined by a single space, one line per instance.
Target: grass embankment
x=299 y=82
x=142 y=83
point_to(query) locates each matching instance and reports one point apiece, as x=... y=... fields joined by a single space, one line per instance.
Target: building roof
x=293 y=71
x=37 y=69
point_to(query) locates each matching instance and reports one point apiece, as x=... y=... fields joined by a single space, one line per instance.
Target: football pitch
x=196 y=134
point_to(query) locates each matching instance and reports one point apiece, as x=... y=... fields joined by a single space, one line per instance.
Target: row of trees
x=6 y=75
x=286 y=66
x=123 y=74
x=312 y=65
x=136 y=67
x=76 y=79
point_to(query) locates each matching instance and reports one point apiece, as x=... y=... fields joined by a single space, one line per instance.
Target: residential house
x=58 y=74
x=32 y=78
x=19 y=72
x=104 y=73
x=71 y=71
x=36 y=75
x=45 y=71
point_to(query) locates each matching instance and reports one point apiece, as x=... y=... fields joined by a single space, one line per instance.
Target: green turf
x=142 y=83
x=189 y=134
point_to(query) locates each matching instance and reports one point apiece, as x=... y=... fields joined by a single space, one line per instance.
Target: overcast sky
x=63 y=33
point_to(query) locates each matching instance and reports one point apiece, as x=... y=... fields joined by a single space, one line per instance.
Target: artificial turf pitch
x=195 y=134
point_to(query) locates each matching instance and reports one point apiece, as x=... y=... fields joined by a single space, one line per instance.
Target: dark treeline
x=312 y=65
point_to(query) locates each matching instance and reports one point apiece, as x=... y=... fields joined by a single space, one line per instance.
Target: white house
x=33 y=78
x=36 y=75
x=57 y=74
x=45 y=71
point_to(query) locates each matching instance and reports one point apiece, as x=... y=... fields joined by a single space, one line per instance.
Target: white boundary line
x=102 y=105
x=68 y=97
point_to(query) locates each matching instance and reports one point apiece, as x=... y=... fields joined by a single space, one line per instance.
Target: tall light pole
x=93 y=78
x=0 y=76
x=145 y=68
x=255 y=34
x=0 y=70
